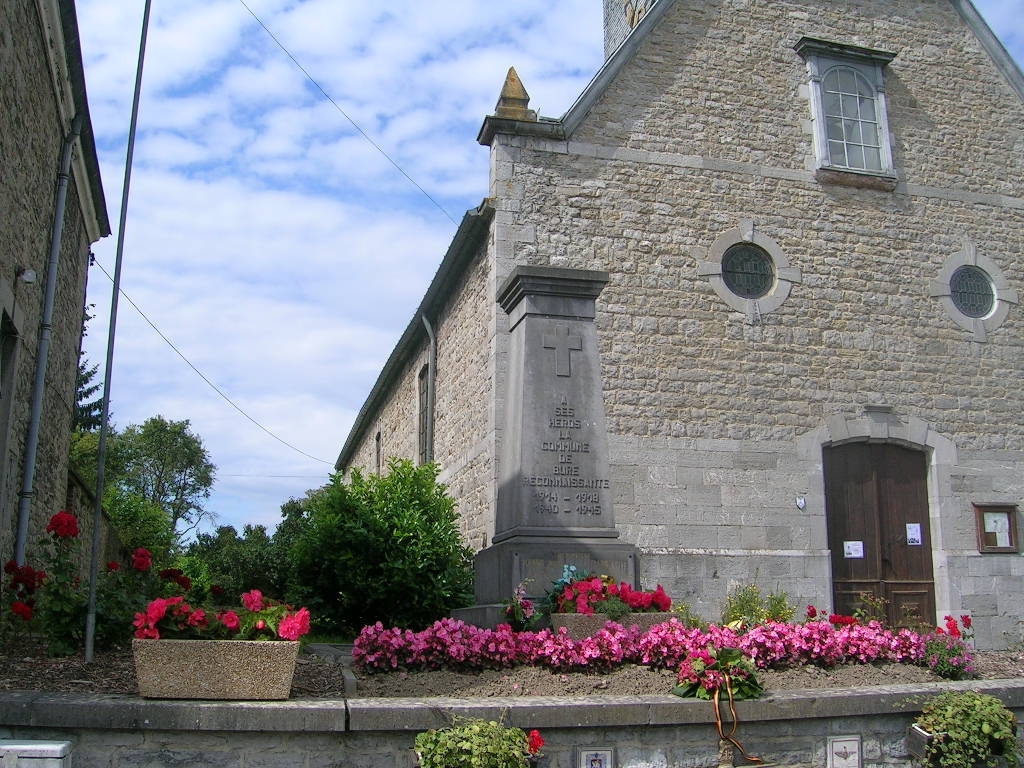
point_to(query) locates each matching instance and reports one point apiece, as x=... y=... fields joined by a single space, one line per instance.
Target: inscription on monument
x=568 y=489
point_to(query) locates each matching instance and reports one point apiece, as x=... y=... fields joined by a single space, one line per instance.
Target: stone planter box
x=583 y=625
x=252 y=670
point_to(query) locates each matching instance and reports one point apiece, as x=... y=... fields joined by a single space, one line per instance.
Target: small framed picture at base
x=595 y=757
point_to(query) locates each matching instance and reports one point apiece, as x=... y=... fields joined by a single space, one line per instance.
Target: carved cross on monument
x=564 y=344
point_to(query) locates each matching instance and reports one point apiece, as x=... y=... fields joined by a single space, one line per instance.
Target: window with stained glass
x=748 y=271
x=851 y=122
x=971 y=291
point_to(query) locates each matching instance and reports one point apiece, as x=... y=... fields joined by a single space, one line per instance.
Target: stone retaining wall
x=786 y=728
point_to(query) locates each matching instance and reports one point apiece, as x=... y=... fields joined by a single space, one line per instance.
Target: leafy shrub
x=478 y=744
x=381 y=548
x=746 y=605
x=687 y=616
x=970 y=728
x=52 y=599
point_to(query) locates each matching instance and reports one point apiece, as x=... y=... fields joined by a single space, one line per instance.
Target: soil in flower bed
x=113 y=672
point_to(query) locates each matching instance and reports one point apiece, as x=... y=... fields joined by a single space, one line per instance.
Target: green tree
x=165 y=463
x=140 y=522
x=238 y=563
x=88 y=405
x=382 y=548
x=294 y=522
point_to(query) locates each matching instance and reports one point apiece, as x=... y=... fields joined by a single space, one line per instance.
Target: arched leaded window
x=851 y=120
x=848 y=113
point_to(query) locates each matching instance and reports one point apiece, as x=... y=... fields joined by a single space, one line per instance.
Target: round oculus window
x=971 y=290
x=748 y=271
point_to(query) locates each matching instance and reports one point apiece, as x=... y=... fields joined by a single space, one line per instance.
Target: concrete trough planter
x=582 y=625
x=244 y=670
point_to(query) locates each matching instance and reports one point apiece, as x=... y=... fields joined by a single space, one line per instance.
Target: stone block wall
x=790 y=728
x=395 y=418
x=31 y=140
x=464 y=415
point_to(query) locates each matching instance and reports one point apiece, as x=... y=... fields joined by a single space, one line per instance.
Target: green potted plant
x=473 y=743
x=960 y=729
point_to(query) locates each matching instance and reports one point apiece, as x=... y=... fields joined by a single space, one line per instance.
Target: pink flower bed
x=455 y=645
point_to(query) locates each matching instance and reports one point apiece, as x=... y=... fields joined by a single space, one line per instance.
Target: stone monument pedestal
x=538 y=561
x=554 y=501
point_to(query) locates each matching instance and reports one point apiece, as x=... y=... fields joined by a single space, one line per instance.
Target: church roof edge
x=564 y=126
x=993 y=47
x=471 y=232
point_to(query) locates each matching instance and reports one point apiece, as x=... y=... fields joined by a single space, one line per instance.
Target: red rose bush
x=258 y=619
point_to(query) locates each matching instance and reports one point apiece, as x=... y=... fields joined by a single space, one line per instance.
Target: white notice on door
x=853 y=550
x=914 y=534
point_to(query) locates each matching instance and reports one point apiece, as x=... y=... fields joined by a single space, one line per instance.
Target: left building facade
x=44 y=118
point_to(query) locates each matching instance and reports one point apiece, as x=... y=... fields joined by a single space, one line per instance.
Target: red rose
x=534 y=742
x=142 y=559
x=21 y=609
x=113 y=565
x=966 y=621
x=63 y=525
x=812 y=612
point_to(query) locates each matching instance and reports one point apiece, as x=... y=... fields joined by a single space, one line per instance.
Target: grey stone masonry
x=786 y=728
x=41 y=89
x=700 y=133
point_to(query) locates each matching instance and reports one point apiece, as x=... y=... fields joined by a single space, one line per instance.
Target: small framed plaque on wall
x=997 y=527
x=595 y=757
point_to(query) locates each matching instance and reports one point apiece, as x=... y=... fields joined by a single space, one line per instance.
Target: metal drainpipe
x=431 y=378
x=45 y=331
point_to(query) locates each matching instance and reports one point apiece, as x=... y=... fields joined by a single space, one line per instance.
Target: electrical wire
x=209 y=383
x=344 y=114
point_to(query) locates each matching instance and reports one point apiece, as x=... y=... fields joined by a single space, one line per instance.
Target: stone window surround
x=1005 y=296
x=785 y=275
x=820 y=55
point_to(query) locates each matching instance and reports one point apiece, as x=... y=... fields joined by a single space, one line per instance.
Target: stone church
x=748 y=312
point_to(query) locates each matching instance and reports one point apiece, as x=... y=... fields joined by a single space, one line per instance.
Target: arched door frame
x=883 y=423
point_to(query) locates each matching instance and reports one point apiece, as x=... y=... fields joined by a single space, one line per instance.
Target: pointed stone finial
x=514 y=100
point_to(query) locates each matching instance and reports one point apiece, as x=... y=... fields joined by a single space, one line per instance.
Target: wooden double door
x=876 y=506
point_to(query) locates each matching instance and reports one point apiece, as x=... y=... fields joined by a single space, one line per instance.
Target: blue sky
x=266 y=238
